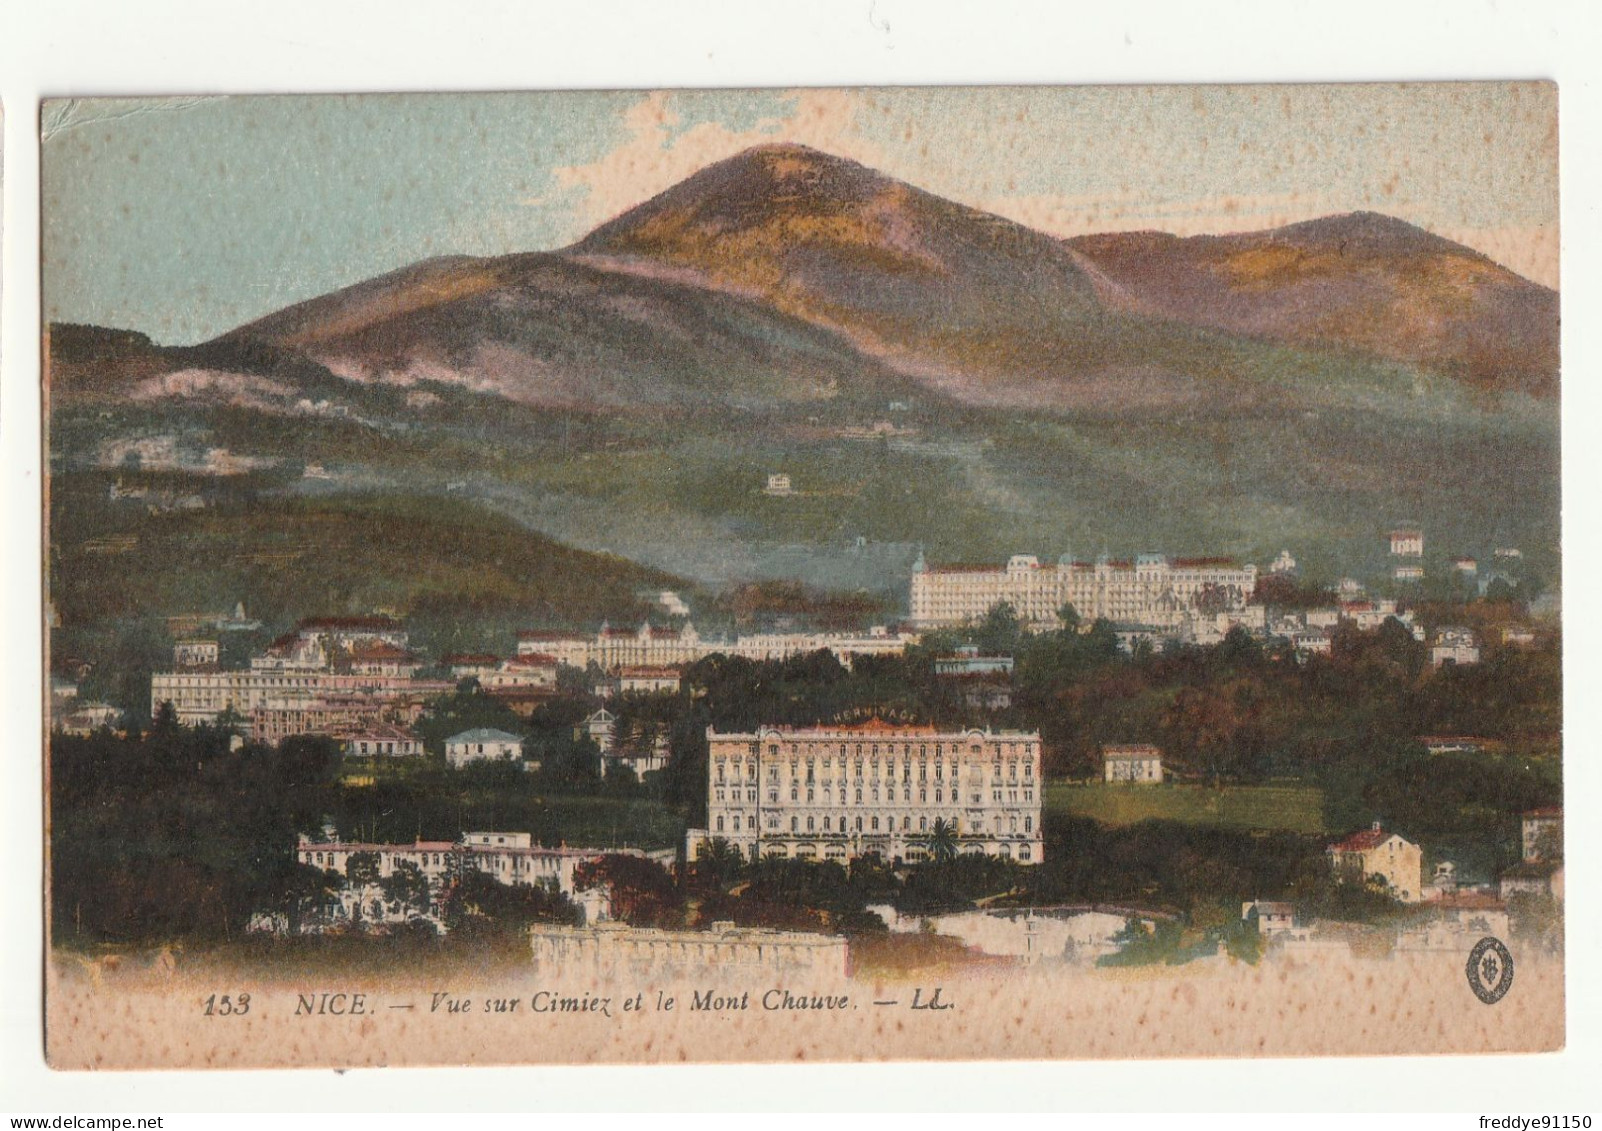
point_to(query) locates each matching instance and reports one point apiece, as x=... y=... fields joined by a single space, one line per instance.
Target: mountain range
x=629 y=393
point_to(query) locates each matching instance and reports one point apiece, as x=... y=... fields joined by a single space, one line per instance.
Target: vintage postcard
x=771 y=575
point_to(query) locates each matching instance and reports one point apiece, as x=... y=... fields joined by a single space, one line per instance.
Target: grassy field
x=1296 y=808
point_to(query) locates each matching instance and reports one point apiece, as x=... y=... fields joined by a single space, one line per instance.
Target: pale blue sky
x=186 y=218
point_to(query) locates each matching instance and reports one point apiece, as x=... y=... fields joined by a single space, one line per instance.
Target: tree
x=306 y=890
x=717 y=863
x=407 y=887
x=479 y=905
x=1000 y=631
x=1069 y=618
x=361 y=875
x=941 y=842
x=641 y=890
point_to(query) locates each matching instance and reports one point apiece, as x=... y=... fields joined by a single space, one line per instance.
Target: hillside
x=550 y=331
x=1361 y=282
x=435 y=559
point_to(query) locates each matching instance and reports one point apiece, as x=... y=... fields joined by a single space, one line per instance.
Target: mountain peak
x=1373 y=232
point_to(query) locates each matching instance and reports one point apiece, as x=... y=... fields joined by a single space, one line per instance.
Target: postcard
x=827 y=574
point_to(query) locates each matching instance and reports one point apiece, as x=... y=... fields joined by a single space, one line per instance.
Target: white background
x=171 y=47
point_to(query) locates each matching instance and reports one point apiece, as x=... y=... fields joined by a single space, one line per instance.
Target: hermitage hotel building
x=837 y=792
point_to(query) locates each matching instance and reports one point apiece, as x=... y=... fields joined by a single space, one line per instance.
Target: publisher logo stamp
x=1490 y=970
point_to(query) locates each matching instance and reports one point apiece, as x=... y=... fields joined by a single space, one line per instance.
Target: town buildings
x=482 y=744
x=509 y=857
x=985 y=682
x=1454 y=646
x=383 y=741
x=86 y=718
x=966 y=661
x=1132 y=764
x=1372 y=853
x=647 y=680
x=1151 y=590
x=649 y=646
x=1543 y=834
x=190 y=654
x=328 y=674
x=1273 y=918
x=1407 y=541
x=600 y=727
x=842 y=791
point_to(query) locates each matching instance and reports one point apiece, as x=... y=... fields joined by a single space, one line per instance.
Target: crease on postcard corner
x=59 y=115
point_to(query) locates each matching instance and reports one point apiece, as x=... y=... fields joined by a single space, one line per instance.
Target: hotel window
x=793 y=793
x=859 y=824
x=794 y=823
x=809 y=824
x=876 y=824
x=859 y=797
x=720 y=824
x=1029 y=824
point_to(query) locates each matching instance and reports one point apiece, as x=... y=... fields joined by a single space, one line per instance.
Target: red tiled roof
x=381 y=651
x=645 y=672
x=964 y=567
x=1195 y=563
x=550 y=634
x=1362 y=841
x=1130 y=750
x=463 y=659
x=533 y=660
x=1546 y=811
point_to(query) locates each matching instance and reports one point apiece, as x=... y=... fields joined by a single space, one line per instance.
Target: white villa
x=1132 y=764
x=482 y=744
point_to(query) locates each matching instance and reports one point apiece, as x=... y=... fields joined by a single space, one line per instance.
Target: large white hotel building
x=837 y=792
x=1151 y=590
